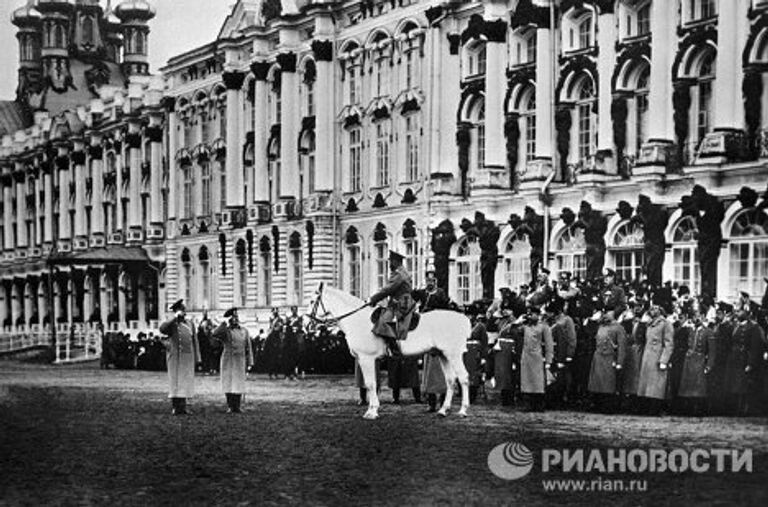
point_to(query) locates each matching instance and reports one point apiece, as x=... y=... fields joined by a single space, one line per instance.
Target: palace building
x=82 y=158
x=484 y=139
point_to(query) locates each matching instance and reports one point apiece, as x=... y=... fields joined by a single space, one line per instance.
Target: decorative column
x=96 y=153
x=133 y=145
x=48 y=169
x=444 y=44
x=492 y=175
x=325 y=107
x=78 y=162
x=606 y=61
x=289 y=127
x=658 y=152
x=728 y=140
x=42 y=300
x=235 y=193
x=7 y=180
x=154 y=133
x=65 y=236
x=19 y=176
x=260 y=135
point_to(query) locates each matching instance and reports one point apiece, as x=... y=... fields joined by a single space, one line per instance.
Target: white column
x=155 y=135
x=48 y=199
x=324 y=121
x=173 y=193
x=732 y=34
x=21 y=207
x=78 y=162
x=63 y=167
x=606 y=61
x=133 y=145
x=260 y=134
x=495 y=89
x=8 y=213
x=289 y=127
x=448 y=95
x=664 y=29
x=235 y=185
x=97 y=195
x=545 y=90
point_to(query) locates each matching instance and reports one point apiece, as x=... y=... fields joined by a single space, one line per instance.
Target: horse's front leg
x=368 y=368
x=450 y=376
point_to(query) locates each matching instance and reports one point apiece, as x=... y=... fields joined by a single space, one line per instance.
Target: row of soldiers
x=605 y=346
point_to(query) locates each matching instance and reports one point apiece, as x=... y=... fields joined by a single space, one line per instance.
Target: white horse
x=443 y=330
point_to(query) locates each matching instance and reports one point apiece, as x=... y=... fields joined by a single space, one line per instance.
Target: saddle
x=414 y=314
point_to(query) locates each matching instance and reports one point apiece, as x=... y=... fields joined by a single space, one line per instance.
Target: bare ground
x=82 y=436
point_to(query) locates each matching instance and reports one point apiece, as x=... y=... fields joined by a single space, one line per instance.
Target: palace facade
x=482 y=138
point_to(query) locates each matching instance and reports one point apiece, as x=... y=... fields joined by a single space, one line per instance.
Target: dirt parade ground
x=82 y=436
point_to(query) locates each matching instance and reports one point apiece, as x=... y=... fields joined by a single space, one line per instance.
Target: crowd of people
x=606 y=346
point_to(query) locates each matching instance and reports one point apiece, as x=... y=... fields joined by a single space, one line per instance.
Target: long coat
x=610 y=350
x=182 y=352
x=538 y=349
x=693 y=383
x=506 y=360
x=399 y=306
x=634 y=359
x=747 y=347
x=475 y=354
x=658 y=349
x=236 y=356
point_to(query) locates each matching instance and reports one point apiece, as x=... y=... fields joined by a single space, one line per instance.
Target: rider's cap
x=230 y=312
x=178 y=305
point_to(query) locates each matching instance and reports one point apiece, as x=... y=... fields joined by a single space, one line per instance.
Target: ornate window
x=644 y=19
x=222 y=184
x=88 y=30
x=354 y=265
x=412 y=141
x=241 y=267
x=205 y=277
x=274 y=170
x=700 y=9
x=529 y=124
x=352 y=85
x=516 y=262
x=265 y=266
x=475 y=62
x=468 y=282
x=685 y=254
x=586 y=131
x=748 y=260
x=382 y=154
x=186 y=172
x=205 y=183
x=627 y=249
x=412 y=261
x=570 y=252
x=59 y=37
x=308 y=160
x=480 y=136
x=355 y=160
x=296 y=259
x=380 y=263
x=704 y=96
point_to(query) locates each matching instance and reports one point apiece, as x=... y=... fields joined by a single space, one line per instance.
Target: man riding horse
x=394 y=320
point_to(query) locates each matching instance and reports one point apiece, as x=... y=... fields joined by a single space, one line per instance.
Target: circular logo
x=510 y=461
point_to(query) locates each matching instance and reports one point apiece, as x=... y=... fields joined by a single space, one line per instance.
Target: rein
x=319 y=302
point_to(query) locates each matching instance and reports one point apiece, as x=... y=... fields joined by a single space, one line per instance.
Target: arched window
x=205 y=183
x=475 y=60
x=355 y=160
x=685 y=254
x=308 y=88
x=480 y=135
x=354 y=266
x=640 y=109
x=60 y=37
x=241 y=271
x=296 y=269
x=274 y=99
x=265 y=266
x=87 y=30
x=412 y=142
x=221 y=111
x=528 y=116
x=703 y=116
x=748 y=260
x=570 y=252
x=412 y=260
x=585 y=117
x=380 y=260
x=205 y=277
x=516 y=262
x=308 y=161
x=274 y=170
x=382 y=153
x=186 y=172
x=634 y=85
x=468 y=283
x=186 y=273
x=525 y=47
x=627 y=249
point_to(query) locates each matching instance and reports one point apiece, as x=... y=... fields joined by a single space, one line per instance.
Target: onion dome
x=135 y=9
x=26 y=15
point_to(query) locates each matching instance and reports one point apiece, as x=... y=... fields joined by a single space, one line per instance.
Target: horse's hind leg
x=461 y=372
x=368 y=368
x=450 y=376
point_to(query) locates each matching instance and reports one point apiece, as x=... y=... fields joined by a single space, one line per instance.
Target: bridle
x=327 y=319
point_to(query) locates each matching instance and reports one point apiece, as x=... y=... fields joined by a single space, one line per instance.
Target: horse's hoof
x=442 y=413
x=463 y=413
x=370 y=416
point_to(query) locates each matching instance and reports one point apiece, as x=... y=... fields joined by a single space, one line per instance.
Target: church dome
x=135 y=9
x=26 y=15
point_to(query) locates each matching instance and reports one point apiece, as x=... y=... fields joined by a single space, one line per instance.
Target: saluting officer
x=236 y=356
x=182 y=352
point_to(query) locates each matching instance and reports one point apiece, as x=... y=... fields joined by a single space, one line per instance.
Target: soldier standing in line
x=236 y=357
x=607 y=363
x=659 y=344
x=474 y=357
x=536 y=356
x=506 y=360
x=182 y=352
x=564 y=337
x=431 y=298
